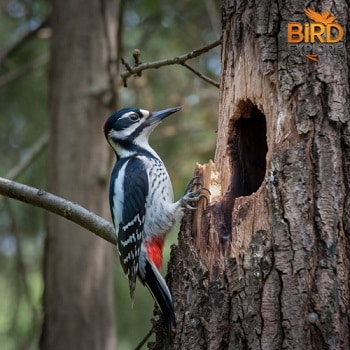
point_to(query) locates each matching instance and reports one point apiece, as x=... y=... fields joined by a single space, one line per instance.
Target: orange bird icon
x=323 y=17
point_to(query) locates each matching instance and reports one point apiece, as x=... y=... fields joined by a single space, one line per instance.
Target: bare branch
x=28 y=158
x=60 y=206
x=143 y=341
x=166 y=62
x=205 y=78
x=128 y=68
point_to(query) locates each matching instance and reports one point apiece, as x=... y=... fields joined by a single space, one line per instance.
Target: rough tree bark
x=78 y=268
x=266 y=264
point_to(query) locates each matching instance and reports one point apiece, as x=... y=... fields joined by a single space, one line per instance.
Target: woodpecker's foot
x=193 y=193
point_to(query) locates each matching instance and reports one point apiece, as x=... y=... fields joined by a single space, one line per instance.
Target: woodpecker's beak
x=157 y=117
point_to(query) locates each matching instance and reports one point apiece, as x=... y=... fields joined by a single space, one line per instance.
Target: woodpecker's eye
x=134 y=117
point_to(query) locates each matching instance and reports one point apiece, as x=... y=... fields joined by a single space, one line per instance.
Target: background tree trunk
x=78 y=266
x=266 y=264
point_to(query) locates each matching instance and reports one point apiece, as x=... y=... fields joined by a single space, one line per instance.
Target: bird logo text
x=320 y=36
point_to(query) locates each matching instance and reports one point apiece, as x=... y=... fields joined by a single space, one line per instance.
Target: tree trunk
x=266 y=264
x=78 y=266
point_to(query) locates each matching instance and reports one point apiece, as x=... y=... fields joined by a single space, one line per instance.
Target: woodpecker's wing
x=130 y=233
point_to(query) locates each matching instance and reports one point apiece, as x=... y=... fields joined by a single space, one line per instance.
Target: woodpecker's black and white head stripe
x=122 y=124
x=128 y=130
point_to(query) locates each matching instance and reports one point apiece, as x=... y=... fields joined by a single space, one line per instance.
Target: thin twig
x=166 y=62
x=143 y=341
x=205 y=78
x=60 y=206
x=128 y=67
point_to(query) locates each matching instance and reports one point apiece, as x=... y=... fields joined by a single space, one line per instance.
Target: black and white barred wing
x=130 y=233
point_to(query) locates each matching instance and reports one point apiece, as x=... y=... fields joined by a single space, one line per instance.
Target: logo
x=322 y=35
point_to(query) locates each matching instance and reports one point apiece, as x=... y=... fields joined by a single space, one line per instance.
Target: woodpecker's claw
x=192 y=184
x=196 y=199
x=193 y=193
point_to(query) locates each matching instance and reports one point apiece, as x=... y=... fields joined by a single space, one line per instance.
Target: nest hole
x=248 y=148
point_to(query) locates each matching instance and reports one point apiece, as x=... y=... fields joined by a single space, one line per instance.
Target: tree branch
x=205 y=78
x=136 y=70
x=60 y=206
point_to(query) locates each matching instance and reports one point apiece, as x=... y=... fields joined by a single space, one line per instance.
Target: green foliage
x=159 y=29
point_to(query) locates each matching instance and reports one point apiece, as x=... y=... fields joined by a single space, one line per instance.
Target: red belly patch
x=155 y=251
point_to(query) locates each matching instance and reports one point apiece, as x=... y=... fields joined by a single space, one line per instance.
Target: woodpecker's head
x=128 y=129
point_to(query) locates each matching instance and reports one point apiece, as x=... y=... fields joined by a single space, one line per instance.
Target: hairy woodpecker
x=142 y=201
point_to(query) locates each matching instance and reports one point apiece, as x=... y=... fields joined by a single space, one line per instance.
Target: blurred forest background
x=159 y=29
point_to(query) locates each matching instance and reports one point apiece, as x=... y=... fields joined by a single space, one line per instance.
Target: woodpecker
x=142 y=201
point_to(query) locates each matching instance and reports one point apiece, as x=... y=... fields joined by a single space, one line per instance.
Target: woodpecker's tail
x=159 y=290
